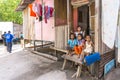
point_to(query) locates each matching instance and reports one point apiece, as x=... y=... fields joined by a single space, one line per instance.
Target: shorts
x=69 y=48
x=88 y=50
x=78 y=50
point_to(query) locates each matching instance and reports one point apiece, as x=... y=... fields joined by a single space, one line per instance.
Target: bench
x=75 y=59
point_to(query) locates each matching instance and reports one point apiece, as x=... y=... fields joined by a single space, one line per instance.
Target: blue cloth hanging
x=94 y=57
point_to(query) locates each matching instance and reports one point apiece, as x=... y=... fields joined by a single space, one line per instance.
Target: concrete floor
x=24 y=65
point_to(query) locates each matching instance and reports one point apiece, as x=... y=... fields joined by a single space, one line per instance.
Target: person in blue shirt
x=71 y=43
x=9 y=38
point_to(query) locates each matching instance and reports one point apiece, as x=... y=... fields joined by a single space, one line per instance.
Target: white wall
x=5 y=27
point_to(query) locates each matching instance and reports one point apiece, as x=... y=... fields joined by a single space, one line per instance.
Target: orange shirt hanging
x=32 y=13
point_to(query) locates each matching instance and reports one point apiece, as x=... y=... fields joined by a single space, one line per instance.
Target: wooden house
x=67 y=15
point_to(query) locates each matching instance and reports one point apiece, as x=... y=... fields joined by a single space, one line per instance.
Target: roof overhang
x=78 y=3
x=23 y=4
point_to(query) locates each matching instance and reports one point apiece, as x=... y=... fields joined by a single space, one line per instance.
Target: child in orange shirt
x=80 y=45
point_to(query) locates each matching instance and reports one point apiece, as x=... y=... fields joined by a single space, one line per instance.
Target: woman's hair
x=73 y=35
x=80 y=35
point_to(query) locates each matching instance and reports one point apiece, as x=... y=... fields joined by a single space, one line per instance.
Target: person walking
x=4 y=38
x=9 y=38
x=22 y=40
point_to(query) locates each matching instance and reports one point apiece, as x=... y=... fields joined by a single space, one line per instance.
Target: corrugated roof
x=23 y=4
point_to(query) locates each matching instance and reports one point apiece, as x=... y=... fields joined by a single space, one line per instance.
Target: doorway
x=83 y=18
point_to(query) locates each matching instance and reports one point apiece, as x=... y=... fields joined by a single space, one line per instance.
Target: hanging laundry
x=51 y=11
x=40 y=18
x=40 y=9
x=48 y=12
x=34 y=7
x=32 y=13
x=45 y=13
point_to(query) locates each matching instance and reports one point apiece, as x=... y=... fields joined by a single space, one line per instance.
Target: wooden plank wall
x=61 y=36
x=105 y=58
x=28 y=24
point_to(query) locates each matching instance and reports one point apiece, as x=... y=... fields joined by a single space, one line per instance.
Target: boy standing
x=9 y=38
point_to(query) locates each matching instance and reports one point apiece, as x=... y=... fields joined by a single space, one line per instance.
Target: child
x=71 y=31
x=80 y=45
x=71 y=43
x=88 y=47
x=79 y=31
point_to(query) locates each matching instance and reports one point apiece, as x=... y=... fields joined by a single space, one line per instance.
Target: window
x=60 y=12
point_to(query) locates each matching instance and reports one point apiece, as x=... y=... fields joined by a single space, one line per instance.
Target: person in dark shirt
x=4 y=38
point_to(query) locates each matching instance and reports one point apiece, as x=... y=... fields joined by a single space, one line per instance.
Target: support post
x=78 y=71
x=63 y=67
x=34 y=46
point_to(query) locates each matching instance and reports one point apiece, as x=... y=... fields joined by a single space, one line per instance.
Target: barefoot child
x=71 y=43
x=80 y=45
x=88 y=49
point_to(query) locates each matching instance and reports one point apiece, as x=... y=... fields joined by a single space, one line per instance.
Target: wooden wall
x=17 y=29
x=28 y=24
x=60 y=12
x=105 y=58
x=61 y=36
x=46 y=31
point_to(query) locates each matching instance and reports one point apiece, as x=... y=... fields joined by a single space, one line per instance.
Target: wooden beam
x=61 y=50
x=97 y=26
x=40 y=45
x=46 y=55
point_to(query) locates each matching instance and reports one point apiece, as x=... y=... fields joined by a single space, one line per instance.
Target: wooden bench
x=75 y=59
